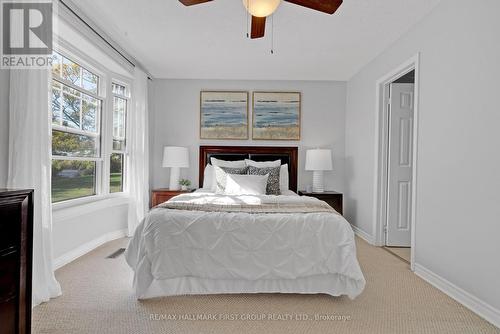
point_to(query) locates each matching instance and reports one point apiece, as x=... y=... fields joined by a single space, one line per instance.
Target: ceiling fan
x=260 y=9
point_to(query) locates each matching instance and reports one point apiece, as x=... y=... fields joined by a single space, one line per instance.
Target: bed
x=211 y=243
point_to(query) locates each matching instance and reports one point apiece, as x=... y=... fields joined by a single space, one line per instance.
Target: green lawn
x=64 y=188
x=115 y=182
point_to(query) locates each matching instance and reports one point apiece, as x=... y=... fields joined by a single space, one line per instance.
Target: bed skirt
x=331 y=284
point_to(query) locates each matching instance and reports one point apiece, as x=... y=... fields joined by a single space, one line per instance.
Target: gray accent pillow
x=221 y=176
x=273 y=182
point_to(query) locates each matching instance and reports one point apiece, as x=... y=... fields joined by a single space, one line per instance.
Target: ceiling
x=208 y=41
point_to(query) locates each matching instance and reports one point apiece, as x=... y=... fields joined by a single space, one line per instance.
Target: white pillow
x=284 y=180
x=263 y=164
x=209 y=181
x=209 y=178
x=230 y=164
x=221 y=173
x=246 y=184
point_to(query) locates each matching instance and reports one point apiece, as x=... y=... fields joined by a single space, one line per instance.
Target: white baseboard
x=473 y=303
x=363 y=235
x=87 y=247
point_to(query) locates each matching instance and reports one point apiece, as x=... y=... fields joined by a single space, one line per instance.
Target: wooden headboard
x=288 y=155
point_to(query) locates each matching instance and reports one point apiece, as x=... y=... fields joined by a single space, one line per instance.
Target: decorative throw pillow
x=246 y=184
x=221 y=176
x=273 y=181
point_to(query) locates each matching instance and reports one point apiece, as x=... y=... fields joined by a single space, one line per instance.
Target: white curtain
x=30 y=167
x=138 y=149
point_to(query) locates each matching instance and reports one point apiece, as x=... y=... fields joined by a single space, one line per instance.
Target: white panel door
x=398 y=230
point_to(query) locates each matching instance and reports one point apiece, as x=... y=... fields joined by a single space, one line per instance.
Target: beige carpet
x=97 y=298
x=402 y=252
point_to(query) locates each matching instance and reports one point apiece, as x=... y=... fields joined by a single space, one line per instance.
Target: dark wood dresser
x=16 y=248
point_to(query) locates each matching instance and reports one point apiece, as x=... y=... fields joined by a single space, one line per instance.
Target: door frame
x=382 y=149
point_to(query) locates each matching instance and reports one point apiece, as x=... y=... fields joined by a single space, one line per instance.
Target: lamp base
x=318 y=185
x=175 y=173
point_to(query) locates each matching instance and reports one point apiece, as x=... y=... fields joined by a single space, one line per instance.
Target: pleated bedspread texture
x=202 y=243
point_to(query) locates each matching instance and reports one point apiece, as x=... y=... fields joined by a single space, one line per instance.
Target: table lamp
x=175 y=157
x=318 y=160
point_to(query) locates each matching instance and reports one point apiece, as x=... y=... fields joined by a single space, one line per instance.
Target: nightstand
x=159 y=196
x=333 y=198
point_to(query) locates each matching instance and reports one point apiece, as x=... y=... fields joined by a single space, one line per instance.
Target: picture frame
x=276 y=115
x=224 y=115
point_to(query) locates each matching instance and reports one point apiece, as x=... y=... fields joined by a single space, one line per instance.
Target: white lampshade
x=175 y=156
x=261 y=8
x=319 y=159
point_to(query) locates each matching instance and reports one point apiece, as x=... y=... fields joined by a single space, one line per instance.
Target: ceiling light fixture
x=261 y=8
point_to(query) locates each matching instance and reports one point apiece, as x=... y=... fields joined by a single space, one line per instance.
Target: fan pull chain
x=272 y=34
x=248 y=20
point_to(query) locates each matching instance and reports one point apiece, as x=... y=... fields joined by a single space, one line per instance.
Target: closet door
x=400 y=165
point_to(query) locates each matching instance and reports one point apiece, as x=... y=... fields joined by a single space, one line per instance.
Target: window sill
x=81 y=206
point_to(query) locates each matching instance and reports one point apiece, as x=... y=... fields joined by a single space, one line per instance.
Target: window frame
x=104 y=126
x=71 y=130
x=119 y=80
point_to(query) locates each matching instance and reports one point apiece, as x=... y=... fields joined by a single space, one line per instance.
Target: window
x=89 y=117
x=120 y=102
x=76 y=125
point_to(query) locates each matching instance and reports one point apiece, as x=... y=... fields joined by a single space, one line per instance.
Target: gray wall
x=175 y=112
x=458 y=181
x=4 y=125
x=77 y=227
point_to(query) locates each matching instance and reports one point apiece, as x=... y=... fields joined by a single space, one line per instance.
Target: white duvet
x=174 y=251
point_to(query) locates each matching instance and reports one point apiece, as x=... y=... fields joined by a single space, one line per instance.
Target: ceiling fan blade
x=193 y=2
x=258 y=27
x=325 y=6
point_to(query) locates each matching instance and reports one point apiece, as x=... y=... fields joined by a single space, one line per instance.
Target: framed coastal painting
x=223 y=115
x=276 y=116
